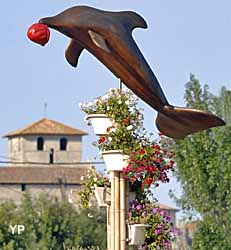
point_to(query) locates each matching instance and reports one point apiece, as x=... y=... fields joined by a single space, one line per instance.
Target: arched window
x=40 y=143
x=63 y=144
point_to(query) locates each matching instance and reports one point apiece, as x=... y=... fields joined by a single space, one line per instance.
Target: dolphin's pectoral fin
x=179 y=122
x=73 y=52
x=99 y=41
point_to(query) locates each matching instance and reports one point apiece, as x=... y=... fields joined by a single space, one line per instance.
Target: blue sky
x=183 y=37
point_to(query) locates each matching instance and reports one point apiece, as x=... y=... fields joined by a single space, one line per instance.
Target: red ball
x=39 y=33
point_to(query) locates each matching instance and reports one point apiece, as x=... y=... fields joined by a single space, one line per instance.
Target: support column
x=112 y=211
x=122 y=213
x=108 y=227
x=117 y=210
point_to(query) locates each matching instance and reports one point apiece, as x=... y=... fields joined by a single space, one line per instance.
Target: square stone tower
x=45 y=142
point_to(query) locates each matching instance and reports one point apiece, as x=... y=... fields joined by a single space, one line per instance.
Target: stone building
x=44 y=157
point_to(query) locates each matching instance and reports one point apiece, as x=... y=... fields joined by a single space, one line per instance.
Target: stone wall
x=24 y=149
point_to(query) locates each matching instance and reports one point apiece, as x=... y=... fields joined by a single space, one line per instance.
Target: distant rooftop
x=46 y=127
x=43 y=175
x=165 y=207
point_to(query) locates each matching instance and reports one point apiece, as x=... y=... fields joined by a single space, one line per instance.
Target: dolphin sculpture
x=108 y=36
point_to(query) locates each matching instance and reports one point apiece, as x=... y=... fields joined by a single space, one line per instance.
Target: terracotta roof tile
x=46 y=127
x=42 y=175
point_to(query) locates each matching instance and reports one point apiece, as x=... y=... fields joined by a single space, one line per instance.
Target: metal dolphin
x=108 y=36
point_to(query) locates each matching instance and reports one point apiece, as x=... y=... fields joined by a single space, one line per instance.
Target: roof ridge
x=47 y=126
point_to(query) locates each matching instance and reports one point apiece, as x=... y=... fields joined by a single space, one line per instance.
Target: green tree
x=50 y=224
x=204 y=169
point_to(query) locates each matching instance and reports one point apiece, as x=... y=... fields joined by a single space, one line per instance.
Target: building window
x=51 y=156
x=40 y=143
x=23 y=187
x=63 y=144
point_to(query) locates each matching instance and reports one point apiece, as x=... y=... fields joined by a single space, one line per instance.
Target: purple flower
x=167 y=245
x=157 y=231
x=168 y=218
x=139 y=207
x=175 y=232
x=133 y=203
x=155 y=210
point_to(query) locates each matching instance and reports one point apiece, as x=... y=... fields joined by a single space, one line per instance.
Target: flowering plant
x=149 y=164
x=121 y=106
x=92 y=179
x=160 y=231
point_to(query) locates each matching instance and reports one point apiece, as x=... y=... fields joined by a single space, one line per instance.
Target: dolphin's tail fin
x=179 y=122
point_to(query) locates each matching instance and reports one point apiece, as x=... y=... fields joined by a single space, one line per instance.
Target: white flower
x=120 y=102
x=113 y=129
x=82 y=178
x=95 y=179
x=104 y=97
x=129 y=127
x=80 y=104
x=127 y=102
x=108 y=108
x=109 y=139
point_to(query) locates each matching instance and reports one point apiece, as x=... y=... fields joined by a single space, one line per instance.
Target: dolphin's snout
x=49 y=21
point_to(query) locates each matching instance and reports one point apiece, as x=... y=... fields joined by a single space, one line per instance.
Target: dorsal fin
x=73 y=52
x=133 y=20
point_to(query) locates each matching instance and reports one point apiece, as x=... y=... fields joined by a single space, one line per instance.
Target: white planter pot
x=136 y=234
x=102 y=195
x=115 y=160
x=100 y=123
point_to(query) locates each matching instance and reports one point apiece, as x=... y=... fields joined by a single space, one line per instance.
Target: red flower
x=172 y=162
x=148 y=182
x=155 y=146
x=126 y=121
x=39 y=33
x=158 y=160
x=142 y=151
x=152 y=169
x=101 y=139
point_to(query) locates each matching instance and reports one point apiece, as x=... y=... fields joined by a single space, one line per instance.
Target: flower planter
x=115 y=160
x=100 y=123
x=102 y=195
x=137 y=234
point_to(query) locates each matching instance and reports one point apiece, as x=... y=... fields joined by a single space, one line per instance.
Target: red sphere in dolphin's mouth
x=39 y=33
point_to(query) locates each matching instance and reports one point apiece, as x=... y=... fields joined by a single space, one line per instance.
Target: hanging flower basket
x=115 y=160
x=137 y=234
x=100 y=123
x=102 y=195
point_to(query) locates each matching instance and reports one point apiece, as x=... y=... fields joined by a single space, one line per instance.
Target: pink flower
x=155 y=210
x=157 y=231
x=162 y=213
x=139 y=207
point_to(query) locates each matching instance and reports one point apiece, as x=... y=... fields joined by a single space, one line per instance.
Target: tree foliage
x=50 y=225
x=204 y=169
